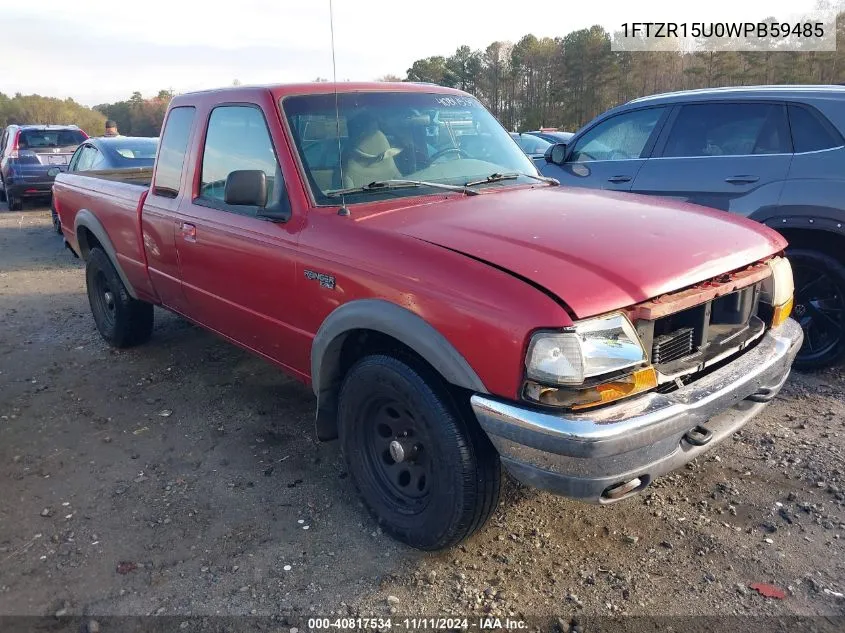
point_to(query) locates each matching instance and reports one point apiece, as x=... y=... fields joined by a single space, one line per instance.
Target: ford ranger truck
x=454 y=312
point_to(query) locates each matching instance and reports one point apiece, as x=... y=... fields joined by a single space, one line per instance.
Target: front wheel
x=426 y=470
x=121 y=320
x=819 y=307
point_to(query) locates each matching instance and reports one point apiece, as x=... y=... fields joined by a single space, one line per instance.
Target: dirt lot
x=183 y=478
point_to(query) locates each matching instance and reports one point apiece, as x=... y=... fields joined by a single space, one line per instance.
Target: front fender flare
x=389 y=319
x=86 y=219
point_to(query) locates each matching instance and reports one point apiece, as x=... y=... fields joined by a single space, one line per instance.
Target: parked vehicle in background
x=533 y=146
x=451 y=309
x=775 y=154
x=552 y=136
x=115 y=152
x=30 y=158
x=125 y=158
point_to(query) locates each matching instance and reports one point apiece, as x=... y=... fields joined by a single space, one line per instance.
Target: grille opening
x=691 y=336
x=672 y=346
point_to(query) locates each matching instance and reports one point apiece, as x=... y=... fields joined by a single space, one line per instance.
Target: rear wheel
x=57 y=223
x=14 y=201
x=819 y=307
x=425 y=470
x=121 y=320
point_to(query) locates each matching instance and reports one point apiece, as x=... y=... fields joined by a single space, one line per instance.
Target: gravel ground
x=183 y=478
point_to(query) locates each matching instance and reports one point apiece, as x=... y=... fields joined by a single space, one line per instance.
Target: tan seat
x=369 y=160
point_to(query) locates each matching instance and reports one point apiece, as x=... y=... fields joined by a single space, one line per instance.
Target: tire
x=447 y=485
x=57 y=223
x=2 y=190
x=121 y=320
x=819 y=307
x=14 y=202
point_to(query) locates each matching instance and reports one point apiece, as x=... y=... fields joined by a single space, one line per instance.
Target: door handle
x=742 y=180
x=189 y=232
x=619 y=179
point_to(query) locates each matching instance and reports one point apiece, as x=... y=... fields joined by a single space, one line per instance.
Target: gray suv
x=775 y=154
x=30 y=158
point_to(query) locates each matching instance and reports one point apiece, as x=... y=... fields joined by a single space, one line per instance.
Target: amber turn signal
x=639 y=381
x=782 y=312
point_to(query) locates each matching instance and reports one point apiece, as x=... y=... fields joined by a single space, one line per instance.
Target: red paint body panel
x=484 y=271
x=597 y=251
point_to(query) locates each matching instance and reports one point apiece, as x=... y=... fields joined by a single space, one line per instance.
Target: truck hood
x=596 y=251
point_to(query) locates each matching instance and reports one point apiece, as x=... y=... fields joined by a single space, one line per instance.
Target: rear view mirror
x=246 y=187
x=556 y=153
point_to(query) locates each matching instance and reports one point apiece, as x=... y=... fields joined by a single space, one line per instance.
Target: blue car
x=775 y=154
x=30 y=158
x=126 y=158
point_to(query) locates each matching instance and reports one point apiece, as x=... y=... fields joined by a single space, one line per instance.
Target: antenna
x=343 y=209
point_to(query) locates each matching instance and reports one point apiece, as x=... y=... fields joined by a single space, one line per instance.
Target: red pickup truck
x=391 y=246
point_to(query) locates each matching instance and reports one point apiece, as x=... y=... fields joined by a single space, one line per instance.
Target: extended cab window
x=810 y=132
x=621 y=137
x=171 y=157
x=729 y=129
x=238 y=139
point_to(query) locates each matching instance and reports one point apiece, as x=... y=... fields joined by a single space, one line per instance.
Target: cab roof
x=316 y=87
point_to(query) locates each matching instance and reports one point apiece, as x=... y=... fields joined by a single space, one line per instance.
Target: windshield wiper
x=382 y=185
x=497 y=177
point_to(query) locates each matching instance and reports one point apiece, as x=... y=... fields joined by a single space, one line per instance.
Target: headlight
x=779 y=289
x=593 y=347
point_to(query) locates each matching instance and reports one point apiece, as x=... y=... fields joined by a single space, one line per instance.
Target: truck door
x=238 y=270
x=159 y=215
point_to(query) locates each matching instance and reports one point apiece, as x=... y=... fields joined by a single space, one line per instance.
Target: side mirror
x=556 y=153
x=246 y=187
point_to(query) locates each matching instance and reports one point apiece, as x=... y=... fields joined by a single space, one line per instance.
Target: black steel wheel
x=103 y=301
x=819 y=307
x=121 y=320
x=423 y=466
x=396 y=453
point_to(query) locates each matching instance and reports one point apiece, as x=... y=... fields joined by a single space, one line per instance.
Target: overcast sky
x=97 y=51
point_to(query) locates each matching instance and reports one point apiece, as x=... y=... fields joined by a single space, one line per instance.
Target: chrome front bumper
x=616 y=451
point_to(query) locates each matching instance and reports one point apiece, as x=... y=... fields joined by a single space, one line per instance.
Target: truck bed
x=130 y=175
x=114 y=197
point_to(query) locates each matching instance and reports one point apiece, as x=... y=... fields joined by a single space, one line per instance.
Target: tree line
x=566 y=81
x=136 y=116
x=37 y=109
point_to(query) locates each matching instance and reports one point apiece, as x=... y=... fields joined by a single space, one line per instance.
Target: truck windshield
x=388 y=136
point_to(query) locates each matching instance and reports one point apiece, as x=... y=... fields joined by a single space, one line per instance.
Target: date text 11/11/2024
x=720 y=30
x=418 y=624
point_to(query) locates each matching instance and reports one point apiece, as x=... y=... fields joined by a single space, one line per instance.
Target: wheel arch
x=821 y=235
x=90 y=233
x=371 y=325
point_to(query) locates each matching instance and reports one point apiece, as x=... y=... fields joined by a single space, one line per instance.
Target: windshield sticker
x=457 y=102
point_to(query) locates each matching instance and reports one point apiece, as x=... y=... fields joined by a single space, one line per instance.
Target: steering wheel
x=448 y=150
